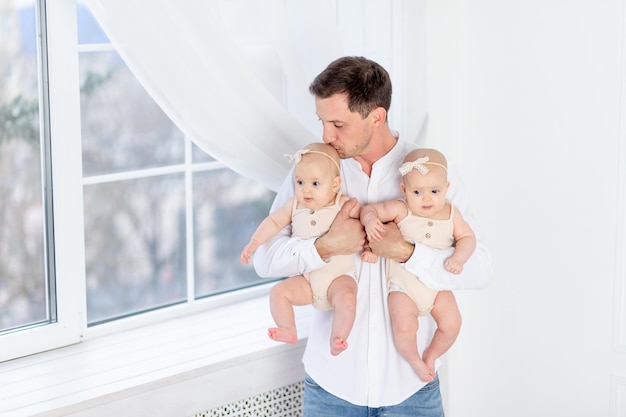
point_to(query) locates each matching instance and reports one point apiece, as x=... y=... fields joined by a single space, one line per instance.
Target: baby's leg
x=293 y=291
x=448 y=318
x=404 y=322
x=342 y=295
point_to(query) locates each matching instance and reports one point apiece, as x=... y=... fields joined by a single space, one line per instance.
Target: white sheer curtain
x=182 y=55
x=211 y=65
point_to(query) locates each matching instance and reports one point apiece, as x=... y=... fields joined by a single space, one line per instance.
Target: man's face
x=346 y=131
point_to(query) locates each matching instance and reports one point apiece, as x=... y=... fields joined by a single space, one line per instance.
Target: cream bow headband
x=420 y=165
x=297 y=157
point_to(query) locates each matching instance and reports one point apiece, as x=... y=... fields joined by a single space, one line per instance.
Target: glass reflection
x=227 y=210
x=23 y=291
x=134 y=245
x=122 y=127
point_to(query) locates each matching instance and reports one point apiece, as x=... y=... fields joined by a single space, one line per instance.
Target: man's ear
x=379 y=116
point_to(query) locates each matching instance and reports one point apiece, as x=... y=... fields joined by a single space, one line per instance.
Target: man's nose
x=328 y=134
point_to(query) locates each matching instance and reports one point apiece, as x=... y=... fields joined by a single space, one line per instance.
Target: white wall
x=526 y=96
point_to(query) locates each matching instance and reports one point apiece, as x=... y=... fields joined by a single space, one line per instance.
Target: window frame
x=60 y=125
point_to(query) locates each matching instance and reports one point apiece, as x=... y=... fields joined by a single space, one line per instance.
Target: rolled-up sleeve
x=283 y=256
x=427 y=264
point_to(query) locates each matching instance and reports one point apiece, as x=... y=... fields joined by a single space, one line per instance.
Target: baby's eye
x=299 y=183
x=316 y=184
x=417 y=192
x=435 y=191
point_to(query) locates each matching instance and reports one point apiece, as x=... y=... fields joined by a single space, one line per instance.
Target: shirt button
x=313 y=222
x=312 y=212
x=427 y=235
x=430 y=223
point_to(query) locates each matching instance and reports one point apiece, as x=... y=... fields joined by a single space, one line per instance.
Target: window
x=107 y=209
x=26 y=295
x=42 y=308
x=164 y=222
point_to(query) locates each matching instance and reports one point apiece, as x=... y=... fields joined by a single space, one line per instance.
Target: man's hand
x=392 y=245
x=345 y=236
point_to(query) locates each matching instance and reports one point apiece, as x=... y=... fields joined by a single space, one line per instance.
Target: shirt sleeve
x=283 y=255
x=427 y=263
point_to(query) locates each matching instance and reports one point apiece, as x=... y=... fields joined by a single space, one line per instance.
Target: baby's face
x=426 y=194
x=316 y=182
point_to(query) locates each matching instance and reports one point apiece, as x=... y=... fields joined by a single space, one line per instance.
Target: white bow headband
x=420 y=165
x=297 y=157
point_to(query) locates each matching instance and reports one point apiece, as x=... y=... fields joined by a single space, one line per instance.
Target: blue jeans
x=320 y=403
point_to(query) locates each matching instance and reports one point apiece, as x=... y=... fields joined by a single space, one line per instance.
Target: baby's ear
x=336 y=183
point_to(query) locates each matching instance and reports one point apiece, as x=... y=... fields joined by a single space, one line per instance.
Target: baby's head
x=425 y=161
x=317 y=174
x=323 y=154
x=425 y=181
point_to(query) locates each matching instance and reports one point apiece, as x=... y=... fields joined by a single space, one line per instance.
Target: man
x=352 y=98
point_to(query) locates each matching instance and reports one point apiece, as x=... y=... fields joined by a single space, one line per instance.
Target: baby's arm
x=464 y=246
x=271 y=225
x=374 y=216
x=366 y=255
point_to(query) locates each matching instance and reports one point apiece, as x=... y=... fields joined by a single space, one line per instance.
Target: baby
x=317 y=201
x=424 y=216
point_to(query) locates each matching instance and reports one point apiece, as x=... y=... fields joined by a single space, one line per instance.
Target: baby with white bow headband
x=318 y=198
x=424 y=216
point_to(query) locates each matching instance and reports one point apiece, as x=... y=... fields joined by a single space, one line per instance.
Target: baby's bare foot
x=337 y=346
x=425 y=372
x=281 y=334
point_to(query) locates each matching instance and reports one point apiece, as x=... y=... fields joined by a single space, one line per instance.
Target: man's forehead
x=334 y=108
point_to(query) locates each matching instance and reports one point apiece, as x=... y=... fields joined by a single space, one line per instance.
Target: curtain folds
x=185 y=59
x=234 y=74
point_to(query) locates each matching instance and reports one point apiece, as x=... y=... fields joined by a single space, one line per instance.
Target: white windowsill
x=132 y=363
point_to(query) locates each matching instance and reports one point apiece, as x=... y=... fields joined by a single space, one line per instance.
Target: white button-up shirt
x=370 y=372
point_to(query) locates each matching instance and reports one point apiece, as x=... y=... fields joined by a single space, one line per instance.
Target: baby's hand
x=374 y=228
x=453 y=266
x=246 y=253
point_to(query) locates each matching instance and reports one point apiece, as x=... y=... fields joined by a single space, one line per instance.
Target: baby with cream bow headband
x=425 y=217
x=318 y=198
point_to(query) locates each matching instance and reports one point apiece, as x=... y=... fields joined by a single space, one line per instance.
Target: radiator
x=281 y=402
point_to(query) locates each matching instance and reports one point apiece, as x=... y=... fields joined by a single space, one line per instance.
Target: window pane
x=23 y=289
x=135 y=245
x=228 y=208
x=89 y=30
x=198 y=155
x=122 y=127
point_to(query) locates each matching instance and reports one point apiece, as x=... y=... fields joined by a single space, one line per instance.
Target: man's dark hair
x=366 y=83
